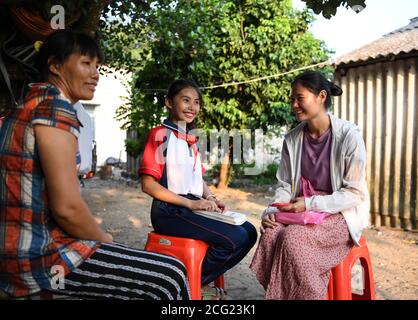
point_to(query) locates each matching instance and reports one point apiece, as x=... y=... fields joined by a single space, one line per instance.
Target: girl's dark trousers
x=228 y=244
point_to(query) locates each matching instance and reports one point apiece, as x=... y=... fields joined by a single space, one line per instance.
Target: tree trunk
x=223 y=175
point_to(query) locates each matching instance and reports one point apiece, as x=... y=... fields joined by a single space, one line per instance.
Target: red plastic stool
x=191 y=252
x=339 y=287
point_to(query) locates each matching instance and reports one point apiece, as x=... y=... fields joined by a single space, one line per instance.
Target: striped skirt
x=116 y=271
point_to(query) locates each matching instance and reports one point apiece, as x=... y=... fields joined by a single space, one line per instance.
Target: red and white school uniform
x=171 y=156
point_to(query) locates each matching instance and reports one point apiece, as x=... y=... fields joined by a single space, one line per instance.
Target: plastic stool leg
x=369 y=291
x=195 y=285
x=341 y=283
x=190 y=252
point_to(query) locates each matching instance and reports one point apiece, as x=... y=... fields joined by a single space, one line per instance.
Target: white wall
x=110 y=139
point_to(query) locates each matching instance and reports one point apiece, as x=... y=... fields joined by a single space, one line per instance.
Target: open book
x=230 y=217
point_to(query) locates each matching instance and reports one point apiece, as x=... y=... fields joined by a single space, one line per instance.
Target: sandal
x=213 y=293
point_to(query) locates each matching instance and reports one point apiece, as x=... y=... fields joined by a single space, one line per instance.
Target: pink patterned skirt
x=294 y=262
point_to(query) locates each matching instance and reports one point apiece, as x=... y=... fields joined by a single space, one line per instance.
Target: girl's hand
x=221 y=206
x=268 y=221
x=297 y=205
x=202 y=205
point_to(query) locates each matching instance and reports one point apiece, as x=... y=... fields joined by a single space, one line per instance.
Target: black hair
x=179 y=85
x=60 y=45
x=315 y=82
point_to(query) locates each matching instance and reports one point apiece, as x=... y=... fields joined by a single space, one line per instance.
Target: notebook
x=230 y=217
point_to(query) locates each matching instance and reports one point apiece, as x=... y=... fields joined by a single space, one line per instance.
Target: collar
x=180 y=133
x=52 y=89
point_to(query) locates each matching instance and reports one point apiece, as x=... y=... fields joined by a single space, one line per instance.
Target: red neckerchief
x=189 y=138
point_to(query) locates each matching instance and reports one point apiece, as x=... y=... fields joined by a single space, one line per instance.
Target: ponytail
x=334 y=89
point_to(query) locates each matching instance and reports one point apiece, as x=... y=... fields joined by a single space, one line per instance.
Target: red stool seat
x=191 y=252
x=339 y=287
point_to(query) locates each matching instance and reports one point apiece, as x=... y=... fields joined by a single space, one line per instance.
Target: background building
x=380 y=86
x=109 y=137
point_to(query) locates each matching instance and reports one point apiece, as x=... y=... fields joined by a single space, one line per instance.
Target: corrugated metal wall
x=382 y=99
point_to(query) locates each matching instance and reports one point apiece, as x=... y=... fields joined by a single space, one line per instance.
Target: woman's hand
x=297 y=205
x=202 y=204
x=109 y=238
x=268 y=221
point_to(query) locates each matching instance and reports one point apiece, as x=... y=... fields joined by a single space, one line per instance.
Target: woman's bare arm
x=57 y=151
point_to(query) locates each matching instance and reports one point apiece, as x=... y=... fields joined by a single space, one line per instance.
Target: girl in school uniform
x=171 y=173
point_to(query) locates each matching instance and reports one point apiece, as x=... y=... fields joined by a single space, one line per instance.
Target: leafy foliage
x=133 y=147
x=146 y=36
x=213 y=42
x=237 y=176
x=258 y=38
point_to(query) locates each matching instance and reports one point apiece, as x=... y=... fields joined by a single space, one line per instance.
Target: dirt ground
x=124 y=210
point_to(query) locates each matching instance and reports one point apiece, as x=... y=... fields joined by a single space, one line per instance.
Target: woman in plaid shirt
x=45 y=226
